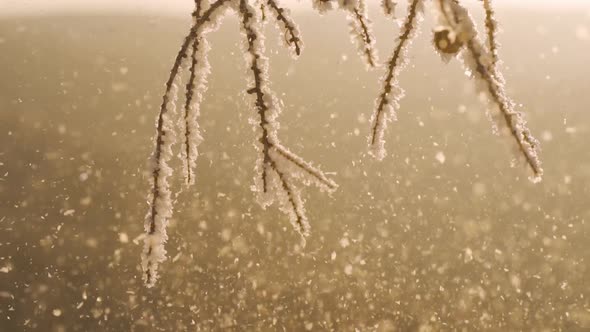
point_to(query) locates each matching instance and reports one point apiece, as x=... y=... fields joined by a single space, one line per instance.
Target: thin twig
x=491 y=28
x=461 y=21
x=160 y=185
x=306 y=167
x=366 y=36
x=189 y=97
x=390 y=81
x=291 y=31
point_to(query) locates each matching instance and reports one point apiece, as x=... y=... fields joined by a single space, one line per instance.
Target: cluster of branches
x=280 y=171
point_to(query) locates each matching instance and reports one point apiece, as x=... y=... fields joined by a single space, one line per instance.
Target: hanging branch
x=361 y=33
x=280 y=186
x=160 y=209
x=195 y=88
x=290 y=30
x=455 y=36
x=479 y=63
x=388 y=100
x=279 y=168
x=491 y=28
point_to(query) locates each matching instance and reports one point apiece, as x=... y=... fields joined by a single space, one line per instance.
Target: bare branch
x=280 y=170
x=318 y=175
x=268 y=109
x=195 y=87
x=361 y=34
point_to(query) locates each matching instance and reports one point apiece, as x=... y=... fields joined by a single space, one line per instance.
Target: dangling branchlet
x=278 y=167
x=391 y=93
x=361 y=32
x=280 y=170
x=455 y=36
x=160 y=197
x=480 y=64
x=285 y=24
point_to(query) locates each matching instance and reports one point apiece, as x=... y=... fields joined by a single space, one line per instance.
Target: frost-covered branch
x=160 y=200
x=491 y=28
x=455 y=36
x=361 y=34
x=391 y=93
x=276 y=177
x=291 y=34
x=480 y=65
x=321 y=180
x=279 y=168
x=195 y=88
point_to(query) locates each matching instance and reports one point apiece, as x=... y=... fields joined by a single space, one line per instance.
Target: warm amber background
x=406 y=243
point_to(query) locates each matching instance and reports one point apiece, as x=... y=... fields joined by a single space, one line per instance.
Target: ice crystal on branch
x=388 y=101
x=281 y=172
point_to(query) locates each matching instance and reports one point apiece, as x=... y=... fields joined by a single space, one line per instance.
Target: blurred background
x=446 y=234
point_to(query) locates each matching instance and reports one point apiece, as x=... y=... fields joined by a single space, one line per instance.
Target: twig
x=161 y=205
x=477 y=60
x=389 y=98
x=287 y=26
x=491 y=28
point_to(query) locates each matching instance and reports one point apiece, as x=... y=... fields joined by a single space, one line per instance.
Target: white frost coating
x=361 y=33
x=387 y=103
x=388 y=114
x=302 y=170
x=478 y=63
x=291 y=38
x=153 y=251
x=161 y=204
x=189 y=123
x=278 y=168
